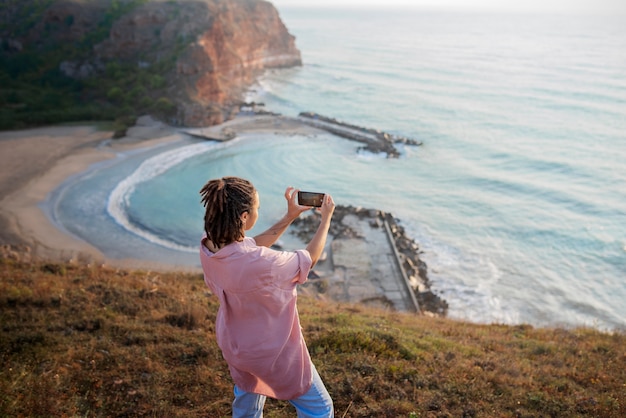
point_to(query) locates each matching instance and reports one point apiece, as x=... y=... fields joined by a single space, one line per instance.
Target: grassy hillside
x=92 y=341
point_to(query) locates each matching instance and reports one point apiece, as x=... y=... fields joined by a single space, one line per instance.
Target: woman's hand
x=328 y=206
x=293 y=208
x=317 y=243
x=270 y=236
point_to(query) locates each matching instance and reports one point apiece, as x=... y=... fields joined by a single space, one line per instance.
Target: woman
x=257 y=325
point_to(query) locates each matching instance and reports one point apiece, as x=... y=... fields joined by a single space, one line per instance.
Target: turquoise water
x=517 y=196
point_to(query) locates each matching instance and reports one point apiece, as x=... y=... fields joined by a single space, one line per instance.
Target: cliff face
x=215 y=48
x=229 y=42
x=244 y=38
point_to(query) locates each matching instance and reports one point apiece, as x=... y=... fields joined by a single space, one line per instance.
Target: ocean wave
x=475 y=300
x=119 y=198
x=366 y=155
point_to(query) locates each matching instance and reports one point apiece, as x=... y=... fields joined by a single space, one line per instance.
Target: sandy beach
x=34 y=162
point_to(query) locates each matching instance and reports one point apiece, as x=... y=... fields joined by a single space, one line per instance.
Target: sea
x=517 y=197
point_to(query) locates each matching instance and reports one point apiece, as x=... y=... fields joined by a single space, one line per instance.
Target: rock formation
x=228 y=43
x=210 y=51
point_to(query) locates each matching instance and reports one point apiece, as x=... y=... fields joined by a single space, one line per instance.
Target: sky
x=536 y=6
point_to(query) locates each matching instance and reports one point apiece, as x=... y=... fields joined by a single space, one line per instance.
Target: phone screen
x=310 y=199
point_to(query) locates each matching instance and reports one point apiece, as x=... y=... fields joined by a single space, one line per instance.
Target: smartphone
x=310 y=199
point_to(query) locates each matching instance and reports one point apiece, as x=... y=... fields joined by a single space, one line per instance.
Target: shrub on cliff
x=164 y=107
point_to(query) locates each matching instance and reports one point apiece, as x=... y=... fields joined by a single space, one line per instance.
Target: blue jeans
x=316 y=403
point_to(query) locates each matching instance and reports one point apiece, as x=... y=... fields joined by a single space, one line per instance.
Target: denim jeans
x=316 y=403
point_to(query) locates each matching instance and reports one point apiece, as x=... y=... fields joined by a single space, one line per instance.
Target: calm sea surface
x=517 y=197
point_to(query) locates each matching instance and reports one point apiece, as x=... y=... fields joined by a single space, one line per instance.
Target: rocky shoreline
x=406 y=254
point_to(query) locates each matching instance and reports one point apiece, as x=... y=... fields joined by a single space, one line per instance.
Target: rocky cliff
x=208 y=51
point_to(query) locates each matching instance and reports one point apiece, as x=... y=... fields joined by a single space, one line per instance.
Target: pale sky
x=551 y=6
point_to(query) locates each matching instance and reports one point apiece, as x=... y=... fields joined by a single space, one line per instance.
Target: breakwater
x=375 y=140
x=371 y=260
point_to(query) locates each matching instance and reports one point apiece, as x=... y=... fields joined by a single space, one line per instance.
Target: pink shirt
x=257 y=326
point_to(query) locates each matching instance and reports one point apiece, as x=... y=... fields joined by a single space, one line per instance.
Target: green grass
x=85 y=340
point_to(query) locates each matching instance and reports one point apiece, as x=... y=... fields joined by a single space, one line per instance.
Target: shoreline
x=26 y=230
x=35 y=162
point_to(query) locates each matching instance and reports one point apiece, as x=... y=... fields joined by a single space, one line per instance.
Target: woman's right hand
x=328 y=206
x=317 y=243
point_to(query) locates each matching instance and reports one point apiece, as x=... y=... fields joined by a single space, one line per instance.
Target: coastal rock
x=224 y=45
x=147 y=127
x=206 y=53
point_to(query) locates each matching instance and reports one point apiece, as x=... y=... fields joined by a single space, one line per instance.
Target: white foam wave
x=259 y=89
x=366 y=155
x=447 y=265
x=119 y=199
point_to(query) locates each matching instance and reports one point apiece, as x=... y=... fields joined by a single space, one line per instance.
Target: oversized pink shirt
x=257 y=326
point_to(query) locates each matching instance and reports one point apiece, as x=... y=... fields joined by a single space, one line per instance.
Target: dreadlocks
x=225 y=200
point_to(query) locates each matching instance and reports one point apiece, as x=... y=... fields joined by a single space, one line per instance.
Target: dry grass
x=91 y=341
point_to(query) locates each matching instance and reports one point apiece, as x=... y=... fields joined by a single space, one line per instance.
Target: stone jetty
x=375 y=141
x=253 y=115
x=369 y=259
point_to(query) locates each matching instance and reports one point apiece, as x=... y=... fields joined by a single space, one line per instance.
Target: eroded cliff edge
x=206 y=52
